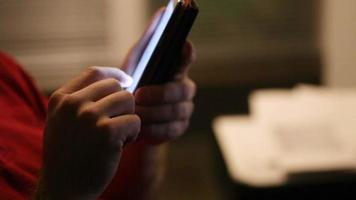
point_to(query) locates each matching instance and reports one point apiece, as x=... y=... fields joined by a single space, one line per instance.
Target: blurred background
x=242 y=45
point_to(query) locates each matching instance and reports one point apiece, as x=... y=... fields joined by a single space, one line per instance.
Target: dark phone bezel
x=162 y=65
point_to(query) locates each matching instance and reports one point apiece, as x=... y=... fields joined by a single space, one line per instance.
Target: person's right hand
x=89 y=121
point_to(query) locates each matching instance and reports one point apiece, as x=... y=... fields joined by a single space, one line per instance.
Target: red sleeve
x=22 y=118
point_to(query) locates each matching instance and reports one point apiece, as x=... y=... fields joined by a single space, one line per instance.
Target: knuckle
x=105 y=127
x=123 y=133
x=108 y=132
x=129 y=101
x=133 y=128
x=128 y=97
x=88 y=113
x=136 y=123
x=177 y=129
x=71 y=102
x=114 y=83
x=55 y=98
x=95 y=73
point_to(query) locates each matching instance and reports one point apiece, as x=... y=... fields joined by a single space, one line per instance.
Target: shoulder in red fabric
x=22 y=118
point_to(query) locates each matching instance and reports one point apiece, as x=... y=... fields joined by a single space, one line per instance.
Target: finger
x=94 y=74
x=135 y=52
x=165 y=113
x=120 y=130
x=98 y=90
x=188 y=56
x=118 y=103
x=164 y=132
x=172 y=92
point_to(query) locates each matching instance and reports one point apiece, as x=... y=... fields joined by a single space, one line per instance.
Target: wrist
x=141 y=171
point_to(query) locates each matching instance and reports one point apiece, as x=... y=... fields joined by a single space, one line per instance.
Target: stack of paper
x=304 y=130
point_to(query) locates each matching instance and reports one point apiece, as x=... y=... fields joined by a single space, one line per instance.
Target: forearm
x=140 y=172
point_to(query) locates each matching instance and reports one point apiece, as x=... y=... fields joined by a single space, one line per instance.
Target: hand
x=165 y=110
x=90 y=120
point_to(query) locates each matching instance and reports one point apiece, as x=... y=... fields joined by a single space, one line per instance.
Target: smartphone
x=156 y=63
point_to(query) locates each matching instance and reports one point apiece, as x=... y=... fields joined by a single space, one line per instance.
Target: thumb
x=95 y=74
x=118 y=74
x=186 y=58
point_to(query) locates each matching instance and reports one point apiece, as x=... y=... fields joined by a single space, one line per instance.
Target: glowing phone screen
x=151 y=46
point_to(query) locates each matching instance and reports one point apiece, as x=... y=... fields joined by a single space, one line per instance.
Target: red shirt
x=22 y=118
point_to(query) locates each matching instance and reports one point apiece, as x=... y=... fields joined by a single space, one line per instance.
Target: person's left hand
x=165 y=110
